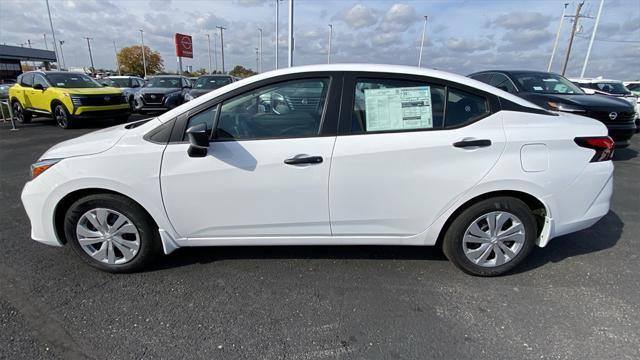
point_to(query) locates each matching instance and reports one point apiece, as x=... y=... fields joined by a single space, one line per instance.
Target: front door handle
x=303 y=159
x=472 y=143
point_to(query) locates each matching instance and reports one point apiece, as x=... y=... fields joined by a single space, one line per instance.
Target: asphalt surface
x=578 y=298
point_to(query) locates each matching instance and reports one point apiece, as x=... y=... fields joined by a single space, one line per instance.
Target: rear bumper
x=621 y=133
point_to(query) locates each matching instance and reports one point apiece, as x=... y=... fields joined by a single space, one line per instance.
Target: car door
x=26 y=84
x=38 y=98
x=407 y=148
x=266 y=172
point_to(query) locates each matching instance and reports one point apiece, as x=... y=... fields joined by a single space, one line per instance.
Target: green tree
x=241 y=72
x=130 y=59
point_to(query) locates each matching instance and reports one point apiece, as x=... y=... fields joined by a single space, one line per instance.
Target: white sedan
x=326 y=155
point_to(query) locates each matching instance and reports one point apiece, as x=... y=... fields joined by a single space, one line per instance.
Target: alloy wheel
x=494 y=239
x=17 y=112
x=108 y=236
x=61 y=117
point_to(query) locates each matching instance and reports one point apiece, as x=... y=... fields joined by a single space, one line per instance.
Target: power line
x=611 y=41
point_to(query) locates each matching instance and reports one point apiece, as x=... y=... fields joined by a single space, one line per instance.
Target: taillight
x=603 y=145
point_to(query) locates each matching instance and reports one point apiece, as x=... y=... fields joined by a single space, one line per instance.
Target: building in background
x=12 y=59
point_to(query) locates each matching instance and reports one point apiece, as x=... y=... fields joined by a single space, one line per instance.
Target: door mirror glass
x=198 y=140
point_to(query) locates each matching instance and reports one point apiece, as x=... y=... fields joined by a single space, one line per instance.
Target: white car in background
x=610 y=88
x=328 y=155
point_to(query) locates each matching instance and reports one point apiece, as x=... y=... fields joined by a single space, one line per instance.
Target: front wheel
x=22 y=115
x=491 y=237
x=63 y=117
x=112 y=233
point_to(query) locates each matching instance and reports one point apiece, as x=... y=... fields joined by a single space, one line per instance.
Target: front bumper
x=101 y=111
x=622 y=133
x=40 y=211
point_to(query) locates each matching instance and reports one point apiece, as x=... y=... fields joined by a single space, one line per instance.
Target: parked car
x=162 y=93
x=129 y=85
x=488 y=179
x=4 y=88
x=633 y=86
x=207 y=83
x=607 y=87
x=192 y=80
x=555 y=92
x=67 y=97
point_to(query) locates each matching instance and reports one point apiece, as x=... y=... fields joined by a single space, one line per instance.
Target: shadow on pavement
x=624 y=154
x=603 y=235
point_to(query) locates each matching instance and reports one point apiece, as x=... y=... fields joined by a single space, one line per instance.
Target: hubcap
x=493 y=239
x=61 y=117
x=108 y=236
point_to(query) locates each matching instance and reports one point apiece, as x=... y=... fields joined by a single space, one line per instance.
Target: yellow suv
x=67 y=97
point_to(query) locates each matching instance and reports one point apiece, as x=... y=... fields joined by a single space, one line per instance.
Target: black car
x=207 y=83
x=162 y=93
x=555 y=92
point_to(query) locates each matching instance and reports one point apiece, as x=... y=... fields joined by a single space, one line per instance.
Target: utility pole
x=53 y=33
x=576 y=18
x=555 y=43
x=144 y=62
x=46 y=46
x=64 y=64
x=260 y=67
x=117 y=60
x=209 y=52
x=424 y=30
x=291 y=45
x=593 y=35
x=277 y=29
x=93 y=69
x=329 y=51
x=222 y=44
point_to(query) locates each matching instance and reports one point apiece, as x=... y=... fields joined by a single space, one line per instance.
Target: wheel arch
x=55 y=102
x=538 y=208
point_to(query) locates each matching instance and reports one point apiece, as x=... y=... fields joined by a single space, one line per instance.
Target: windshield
x=546 y=84
x=72 y=80
x=118 y=82
x=211 y=82
x=165 y=82
x=612 y=88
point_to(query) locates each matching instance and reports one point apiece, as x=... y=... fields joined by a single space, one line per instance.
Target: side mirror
x=198 y=140
x=38 y=87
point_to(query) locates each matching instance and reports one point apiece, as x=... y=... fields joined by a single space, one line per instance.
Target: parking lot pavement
x=578 y=298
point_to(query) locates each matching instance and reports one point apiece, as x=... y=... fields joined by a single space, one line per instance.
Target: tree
x=241 y=72
x=130 y=59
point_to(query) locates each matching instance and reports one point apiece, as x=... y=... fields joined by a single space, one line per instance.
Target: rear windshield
x=72 y=80
x=211 y=82
x=546 y=84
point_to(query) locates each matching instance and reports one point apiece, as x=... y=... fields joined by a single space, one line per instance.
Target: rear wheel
x=112 y=233
x=491 y=237
x=22 y=115
x=63 y=117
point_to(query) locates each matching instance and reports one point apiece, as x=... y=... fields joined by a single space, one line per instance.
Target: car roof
x=121 y=77
x=373 y=68
x=592 y=80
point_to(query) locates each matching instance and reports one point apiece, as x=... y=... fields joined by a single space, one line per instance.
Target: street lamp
x=144 y=61
x=260 y=64
x=64 y=65
x=209 y=52
x=93 y=69
x=291 y=33
x=330 y=36
x=222 y=44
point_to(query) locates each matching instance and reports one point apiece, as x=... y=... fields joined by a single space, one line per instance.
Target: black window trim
x=328 y=121
x=348 y=100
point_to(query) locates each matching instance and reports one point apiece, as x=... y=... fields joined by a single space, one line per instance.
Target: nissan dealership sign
x=184 y=46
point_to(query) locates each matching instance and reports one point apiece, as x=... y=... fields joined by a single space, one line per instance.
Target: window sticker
x=537 y=88
x=398 y=108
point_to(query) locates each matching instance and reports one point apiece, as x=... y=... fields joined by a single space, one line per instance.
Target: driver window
x=284 y=110
x=40 y=80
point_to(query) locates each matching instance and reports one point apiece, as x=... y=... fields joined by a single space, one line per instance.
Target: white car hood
x=88 y=144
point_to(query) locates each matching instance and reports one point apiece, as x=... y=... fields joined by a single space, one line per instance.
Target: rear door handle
x=472 y=143
x=303 y=159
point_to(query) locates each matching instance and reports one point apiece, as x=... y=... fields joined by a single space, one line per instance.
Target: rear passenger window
x=27 y=80
x=396 y=105
x=464 y=107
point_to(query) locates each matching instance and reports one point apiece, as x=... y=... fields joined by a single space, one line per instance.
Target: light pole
x=277 y=28
x=53 y=33
x=260 y=63
x=593 y=35
x=215 y=52
x=209 y=52
x=222 y=44
x=555 y=44
x=64 y=64
x=330 y=36
x=93 y=69
x=46 y=46
x=144 y=61
x=424 y=30
x=117 y=60
x=291 y=45
x=257 y=60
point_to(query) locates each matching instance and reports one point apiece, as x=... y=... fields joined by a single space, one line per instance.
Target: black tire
x=22 y=115
x=150 y=246
x=132 y=105
x=63 y=118
x=452 y=245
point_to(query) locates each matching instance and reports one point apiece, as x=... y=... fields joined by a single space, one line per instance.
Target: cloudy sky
x=462 y=36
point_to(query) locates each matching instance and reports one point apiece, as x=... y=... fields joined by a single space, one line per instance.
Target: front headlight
x=42 y=166
x=188 y=97
x=557 y=106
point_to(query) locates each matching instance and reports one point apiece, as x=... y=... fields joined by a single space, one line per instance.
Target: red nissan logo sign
x=184 y=46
